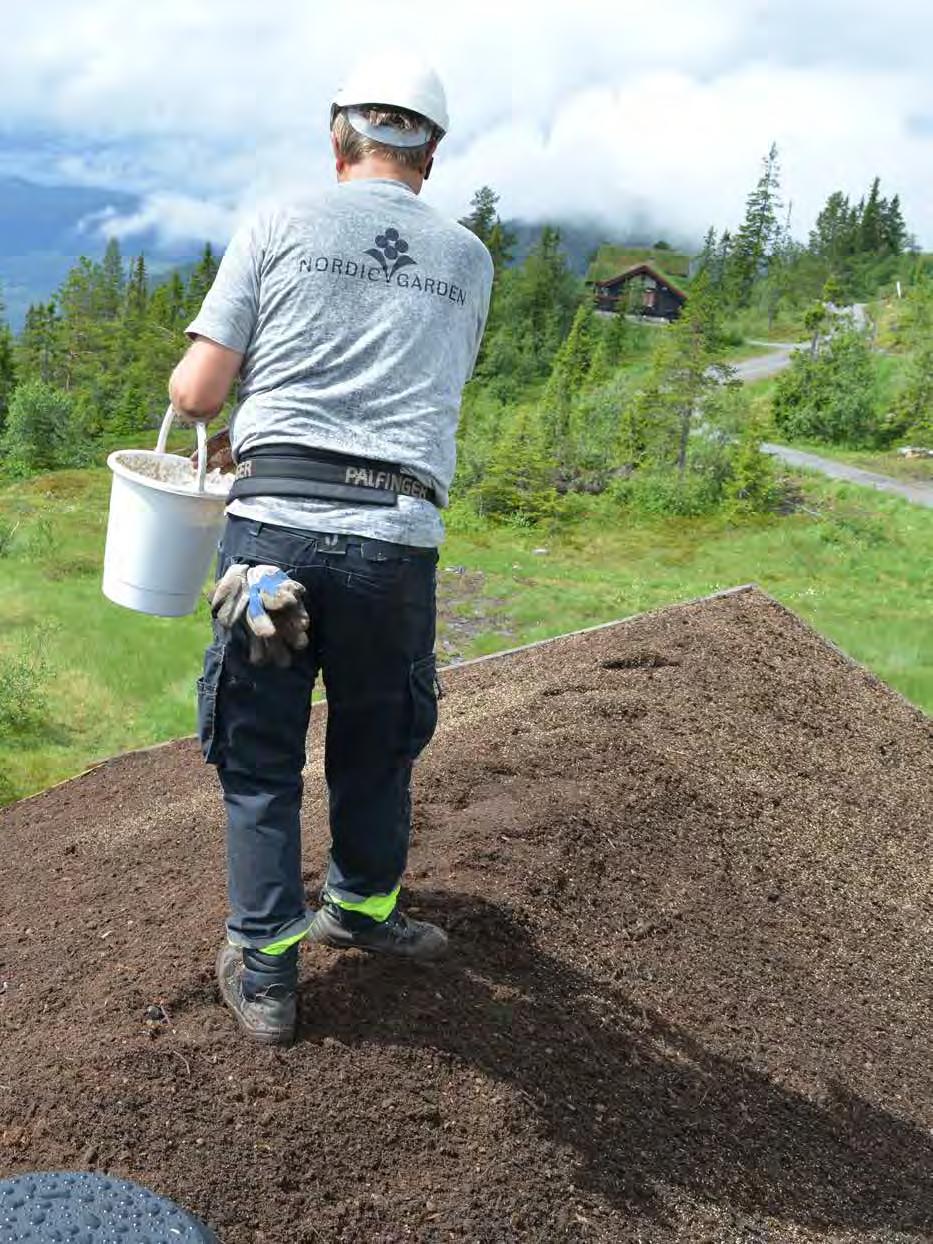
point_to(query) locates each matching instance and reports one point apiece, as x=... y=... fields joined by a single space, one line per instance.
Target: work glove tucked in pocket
x=273 y=606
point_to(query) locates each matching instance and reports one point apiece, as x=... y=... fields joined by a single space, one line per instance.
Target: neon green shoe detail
x=378 y=906
x=279 y=948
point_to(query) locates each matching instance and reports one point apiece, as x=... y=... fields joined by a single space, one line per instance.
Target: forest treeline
x=565 y=404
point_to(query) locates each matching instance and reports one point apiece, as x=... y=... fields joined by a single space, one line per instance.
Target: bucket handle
x=201 y=433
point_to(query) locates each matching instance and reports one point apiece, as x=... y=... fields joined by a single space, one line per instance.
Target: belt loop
x=333 y=542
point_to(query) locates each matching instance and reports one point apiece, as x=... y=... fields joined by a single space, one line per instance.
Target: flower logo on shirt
x=391 y=249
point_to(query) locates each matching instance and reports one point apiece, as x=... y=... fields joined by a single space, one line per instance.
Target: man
x=353 y=321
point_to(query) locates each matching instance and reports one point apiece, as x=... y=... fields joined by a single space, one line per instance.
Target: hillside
x=43 y=230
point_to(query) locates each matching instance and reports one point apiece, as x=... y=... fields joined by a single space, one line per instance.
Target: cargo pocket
x=423 y=687
x=208 y=685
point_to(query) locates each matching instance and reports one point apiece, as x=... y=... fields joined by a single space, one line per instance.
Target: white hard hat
x=395 y=80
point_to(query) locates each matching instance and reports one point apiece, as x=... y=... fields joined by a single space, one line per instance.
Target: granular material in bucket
x=169 y=469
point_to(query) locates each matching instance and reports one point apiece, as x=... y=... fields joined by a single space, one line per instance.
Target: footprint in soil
x=641 y=661
x=650 y=1106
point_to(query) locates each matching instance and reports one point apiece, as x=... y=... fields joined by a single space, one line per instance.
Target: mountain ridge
x=45 y=228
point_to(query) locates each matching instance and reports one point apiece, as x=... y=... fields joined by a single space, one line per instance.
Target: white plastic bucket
x=161 y=535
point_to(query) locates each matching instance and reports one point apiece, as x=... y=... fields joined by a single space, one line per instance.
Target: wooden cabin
x=640 y=290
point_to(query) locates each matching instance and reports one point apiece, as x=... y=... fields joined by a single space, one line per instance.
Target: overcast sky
x=649 y=115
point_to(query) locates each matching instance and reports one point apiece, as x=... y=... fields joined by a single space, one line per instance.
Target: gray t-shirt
x=359 y=313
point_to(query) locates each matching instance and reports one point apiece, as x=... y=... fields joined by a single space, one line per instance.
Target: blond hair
x=353 y=146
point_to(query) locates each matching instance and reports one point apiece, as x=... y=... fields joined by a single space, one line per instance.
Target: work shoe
x=270 y=1015
x=398 y=935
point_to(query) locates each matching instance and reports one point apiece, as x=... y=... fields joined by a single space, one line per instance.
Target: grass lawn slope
x=81 y=678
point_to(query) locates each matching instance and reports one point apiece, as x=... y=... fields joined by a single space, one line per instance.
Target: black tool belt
x=291 y=471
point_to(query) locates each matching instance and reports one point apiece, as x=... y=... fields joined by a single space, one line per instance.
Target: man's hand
x=219 y=452
x=276 y=618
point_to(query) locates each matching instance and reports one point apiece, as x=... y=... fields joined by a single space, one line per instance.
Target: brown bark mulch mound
x=685 y=864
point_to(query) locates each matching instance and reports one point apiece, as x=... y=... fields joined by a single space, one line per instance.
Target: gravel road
x=774 y=361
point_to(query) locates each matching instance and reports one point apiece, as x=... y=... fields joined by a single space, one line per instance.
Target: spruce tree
x=200 y=281
x=111 y=283
x=610 y=350
x=751 y=487
x=483 y=220
x=518 y=479
x=894 y=231
x=706 y=260
x=137 y=292
x=566 y=382
x=831 y=237
x=38 y=348
x=914 y=401
x=547 y=297
x=500 y=244
x=687 y=367
x=756 y=240
x=482 y=216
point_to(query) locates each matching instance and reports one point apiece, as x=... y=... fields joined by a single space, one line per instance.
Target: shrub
x=667 y=494
x=831 y=396
x=463 y=518
x=40 y=433
x=517 y=484
x=752 y=487
x=23 y=700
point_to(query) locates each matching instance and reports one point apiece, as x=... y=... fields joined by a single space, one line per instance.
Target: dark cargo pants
x=372 y=608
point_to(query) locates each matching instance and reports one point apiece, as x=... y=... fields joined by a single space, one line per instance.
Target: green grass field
x=81 y=679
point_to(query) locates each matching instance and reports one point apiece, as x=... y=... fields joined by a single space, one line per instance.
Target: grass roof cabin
x=641 y=289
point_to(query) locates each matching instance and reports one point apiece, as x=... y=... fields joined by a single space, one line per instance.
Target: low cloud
x=172 y=218
x=621 y=111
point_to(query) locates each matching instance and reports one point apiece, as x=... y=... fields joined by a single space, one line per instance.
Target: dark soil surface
x=685 y=864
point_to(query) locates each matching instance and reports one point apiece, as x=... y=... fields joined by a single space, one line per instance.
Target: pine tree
x=532 y=308
x=176 y=304
x=722 y=258
x=131 y=413
x=89 y=302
